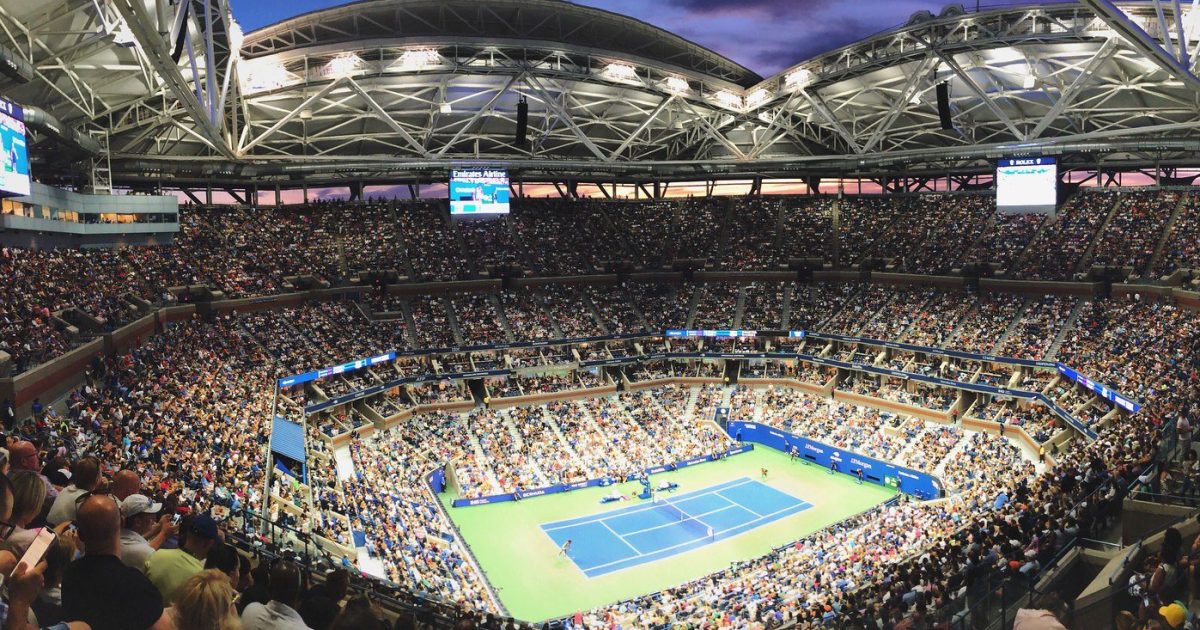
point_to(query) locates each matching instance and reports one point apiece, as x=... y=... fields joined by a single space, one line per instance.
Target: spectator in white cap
x=143 y=531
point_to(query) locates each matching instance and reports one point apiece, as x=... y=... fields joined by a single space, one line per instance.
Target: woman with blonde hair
x=205 y=602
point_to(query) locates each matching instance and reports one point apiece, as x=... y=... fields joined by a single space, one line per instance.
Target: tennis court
x=645 y=532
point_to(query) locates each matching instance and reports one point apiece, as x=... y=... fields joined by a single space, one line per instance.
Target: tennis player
x=565 y=548
x=763 y=473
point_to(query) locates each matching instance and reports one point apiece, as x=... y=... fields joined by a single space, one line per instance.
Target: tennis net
x=685 y=519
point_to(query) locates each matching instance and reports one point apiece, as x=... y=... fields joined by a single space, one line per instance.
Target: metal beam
x=154 y=47
x=1141 y=41
x=386 y=118
x=1068 y=95
x=902 y=101
x=714 y=133
x=565 y=116
x=979 y=93
x=290 y=115
x=479 y=113
x=642 y=127
x=818 y=105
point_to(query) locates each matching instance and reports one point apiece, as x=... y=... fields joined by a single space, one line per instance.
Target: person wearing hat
x=141 y=517
x=1175 y=614
x=169 y=568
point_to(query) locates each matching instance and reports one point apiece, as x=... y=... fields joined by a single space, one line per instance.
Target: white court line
x=621 y=538
x=658 y=551
x=736 y=502
x=643 y=508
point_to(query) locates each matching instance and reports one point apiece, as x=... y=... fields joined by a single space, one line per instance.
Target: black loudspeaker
x=943 y=98
x=522 y=120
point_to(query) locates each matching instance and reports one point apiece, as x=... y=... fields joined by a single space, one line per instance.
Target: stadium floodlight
x=236 y=35
x=121 y=34
x=757 y=97
x=678 y=85
x=728 y=99
x=260 y=75
x=621 y=72
x=418 y=59
x=343 y=65
x=445 y=107
x=798 y=79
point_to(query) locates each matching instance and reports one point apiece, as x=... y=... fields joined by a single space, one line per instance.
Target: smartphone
x=175 y=519
x=37 y=549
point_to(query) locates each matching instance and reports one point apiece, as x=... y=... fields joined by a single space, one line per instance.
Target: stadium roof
x=384 y=90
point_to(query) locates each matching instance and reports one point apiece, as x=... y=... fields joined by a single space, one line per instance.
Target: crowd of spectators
x=1134 y=231
x=570 y=311
x=753 y=239
x=1182 y=247
x=250 y=252
x=716 y=307
x=526 y=318
x=941 y=234
x=763 y=308
x=477 y=319
x=186 y=413
x=1007 y=239
x=1059 y=249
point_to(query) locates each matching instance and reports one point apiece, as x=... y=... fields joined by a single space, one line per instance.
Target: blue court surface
x=611 y=541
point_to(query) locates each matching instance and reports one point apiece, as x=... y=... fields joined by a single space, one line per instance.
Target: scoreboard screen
x=14 y=158
x=478 y=191
x=1026 y=186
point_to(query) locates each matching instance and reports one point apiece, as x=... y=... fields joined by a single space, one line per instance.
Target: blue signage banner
x=1105 y=392
x=606 y=481
x=392 y=355
x=675 y=333
x=337 y=369
x=907 y=480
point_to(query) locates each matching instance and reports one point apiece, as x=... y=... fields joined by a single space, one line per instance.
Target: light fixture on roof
x=675 y=84
x=236 y=35
x=445 y=107
x=798 y=79
x=757 y=97
x=621 y=72
x=259 y=75
x=121 y=34
x=728 y=99
x=343 y=65
x=418 y=59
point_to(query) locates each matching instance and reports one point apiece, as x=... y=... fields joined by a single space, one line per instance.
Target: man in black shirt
x=98 y=588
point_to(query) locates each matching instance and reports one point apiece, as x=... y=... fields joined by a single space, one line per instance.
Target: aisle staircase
x=739 y=310
x=1090 y=253
x=692 y=304
x=1067 y=327
x=1016 y=321
x=452 y=318
x=343 y=462
x=1184 y=198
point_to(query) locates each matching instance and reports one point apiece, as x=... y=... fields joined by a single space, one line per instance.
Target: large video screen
x=1026 y=185
x=478 y=191
x=14 y=172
